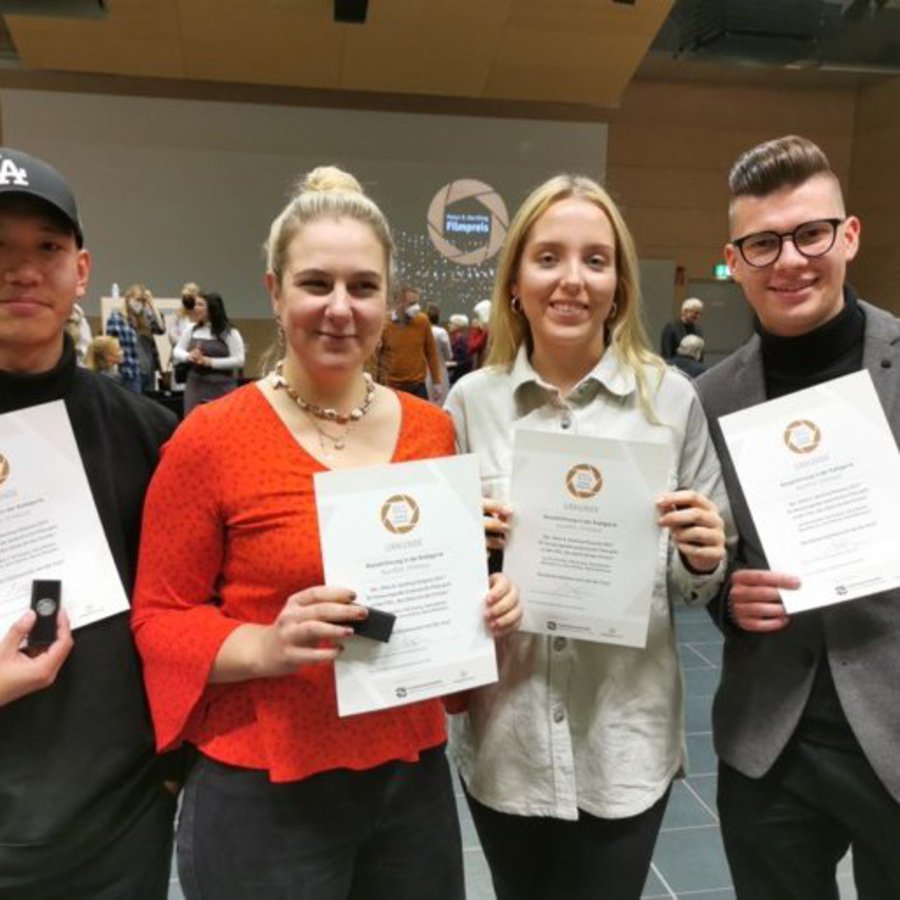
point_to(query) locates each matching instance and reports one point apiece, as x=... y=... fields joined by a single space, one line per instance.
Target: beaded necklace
x=349 y=420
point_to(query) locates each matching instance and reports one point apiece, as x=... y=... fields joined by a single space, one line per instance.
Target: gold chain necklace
x=337 y=441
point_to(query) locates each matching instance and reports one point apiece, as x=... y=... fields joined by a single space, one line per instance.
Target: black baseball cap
x=32 y=177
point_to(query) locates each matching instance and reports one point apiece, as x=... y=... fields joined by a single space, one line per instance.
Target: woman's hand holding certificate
x=309 y=630
x=696 y=528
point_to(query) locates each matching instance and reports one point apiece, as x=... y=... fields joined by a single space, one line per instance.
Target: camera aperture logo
x=400 y=514
x=802 y=436
x=584 y=481
x=4 y=468
x=453 y=231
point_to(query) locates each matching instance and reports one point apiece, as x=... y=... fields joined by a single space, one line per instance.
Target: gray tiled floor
x=689 y=861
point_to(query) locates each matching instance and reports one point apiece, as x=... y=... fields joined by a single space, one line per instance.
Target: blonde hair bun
x=330 y=178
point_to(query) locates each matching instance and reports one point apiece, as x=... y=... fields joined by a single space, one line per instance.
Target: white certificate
x=584 y=544
x=821 y=474
x=408 y=538
x=49 y=526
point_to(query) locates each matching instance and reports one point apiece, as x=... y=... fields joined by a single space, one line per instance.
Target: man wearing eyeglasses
x=806 y=719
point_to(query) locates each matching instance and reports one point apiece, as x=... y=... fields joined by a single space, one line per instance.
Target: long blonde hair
x=138 y=321
x=625 y=330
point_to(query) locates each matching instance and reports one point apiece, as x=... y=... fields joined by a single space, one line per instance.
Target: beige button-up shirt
x=573 y=724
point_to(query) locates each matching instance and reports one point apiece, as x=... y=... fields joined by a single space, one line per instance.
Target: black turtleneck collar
x=18 y=391
x=829 y=351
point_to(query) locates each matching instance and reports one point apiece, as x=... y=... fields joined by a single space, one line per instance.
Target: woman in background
x=104 y=356
x=133 y=326
x=568 y=760
x=237 y=631
x=176 y=324
x=458 y=330
x=213 y=348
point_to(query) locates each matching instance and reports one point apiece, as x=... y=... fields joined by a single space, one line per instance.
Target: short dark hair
x=784 y=162
x=433 y=312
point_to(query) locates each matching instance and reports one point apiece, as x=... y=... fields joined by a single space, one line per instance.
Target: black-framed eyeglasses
x=811 y=239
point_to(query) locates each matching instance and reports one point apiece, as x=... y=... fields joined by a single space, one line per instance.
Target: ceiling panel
x=565 y=51
x=138 y=37
x=262 y=42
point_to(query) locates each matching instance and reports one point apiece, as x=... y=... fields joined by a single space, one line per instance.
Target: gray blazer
x=766 y=678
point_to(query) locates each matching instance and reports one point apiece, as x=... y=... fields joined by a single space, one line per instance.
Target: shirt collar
x=610 y=373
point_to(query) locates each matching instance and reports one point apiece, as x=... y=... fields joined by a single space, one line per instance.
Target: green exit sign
x=720 y=271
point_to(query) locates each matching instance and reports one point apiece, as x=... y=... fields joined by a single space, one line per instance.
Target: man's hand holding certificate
x=49 y=526
x=408 y=540
x=821 y=473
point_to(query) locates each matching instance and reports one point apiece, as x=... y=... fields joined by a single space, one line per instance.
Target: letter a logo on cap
x=10 y=173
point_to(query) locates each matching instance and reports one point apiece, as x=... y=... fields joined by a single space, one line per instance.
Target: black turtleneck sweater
x=77 y=761
x=792 y=364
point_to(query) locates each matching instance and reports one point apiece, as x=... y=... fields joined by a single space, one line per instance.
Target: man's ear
x=83 y=268
x=850 y=233
x=731 y=258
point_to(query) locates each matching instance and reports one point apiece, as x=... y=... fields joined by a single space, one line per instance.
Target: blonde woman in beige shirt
x=568 y=759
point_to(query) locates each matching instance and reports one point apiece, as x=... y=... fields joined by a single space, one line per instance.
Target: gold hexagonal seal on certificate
x=584 y=481
x=802 y=436
x=400 y=514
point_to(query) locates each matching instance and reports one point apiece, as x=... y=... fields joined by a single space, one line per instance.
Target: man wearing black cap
x=83 y=808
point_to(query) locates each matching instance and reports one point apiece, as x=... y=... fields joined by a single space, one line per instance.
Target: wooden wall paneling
x=671 y=146
x=876 y=108
x=258 y=335
x=874 y=192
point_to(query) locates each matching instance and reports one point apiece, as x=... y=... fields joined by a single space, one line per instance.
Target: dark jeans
x=540 y=858
x=136 y=866
x=389 y=833
x=785 y=833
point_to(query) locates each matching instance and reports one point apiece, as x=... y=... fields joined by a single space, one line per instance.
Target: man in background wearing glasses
x=806 y=719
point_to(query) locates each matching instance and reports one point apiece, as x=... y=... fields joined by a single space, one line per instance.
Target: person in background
x=104 y=356
x=134 y=326
x=687 y=323
x=568 y=760
x=238 y=633
x=444 y=351
x=84 y=812
x=176 y=324
x=214 y=350
x=458 y=329
x=147 y=321
x=478 y=333
x=79 y=328
x=408 y=351
x=688 y=355
x=805 y=721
